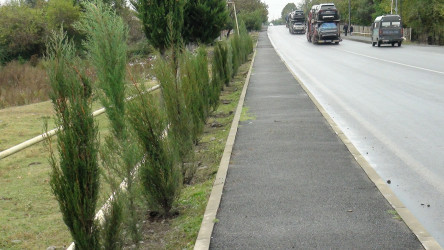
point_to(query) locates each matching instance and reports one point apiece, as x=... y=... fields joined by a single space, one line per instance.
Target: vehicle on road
x=326 y=12
x=296 y=22
x=387 y=29
x=323 y=24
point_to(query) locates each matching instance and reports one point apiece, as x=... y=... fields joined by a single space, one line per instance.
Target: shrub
x=196 y=88
x=236 y=51
x=75 y=171
x=203 y=80
x=159 y=172
x=106 y=44
x=218 y=74
x=180 y=122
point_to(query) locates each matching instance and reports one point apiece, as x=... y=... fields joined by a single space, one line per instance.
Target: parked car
x=387 y=29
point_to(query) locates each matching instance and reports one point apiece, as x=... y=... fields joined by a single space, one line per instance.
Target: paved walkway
x=291 y=181
x=357 y=38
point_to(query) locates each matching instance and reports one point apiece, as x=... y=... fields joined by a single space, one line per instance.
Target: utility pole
x=349 y=13
x=235 y=16
x=391 y=8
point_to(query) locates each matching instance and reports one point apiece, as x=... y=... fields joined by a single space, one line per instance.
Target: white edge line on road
x=393 y=62
x=409 y=219
x=206 y=229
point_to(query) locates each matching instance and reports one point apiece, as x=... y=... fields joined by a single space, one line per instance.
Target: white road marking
x=388 y=61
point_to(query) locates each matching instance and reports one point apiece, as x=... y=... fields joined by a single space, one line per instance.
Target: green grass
x=394 y=214
x=246 y=115
x=29 y=214
x=28 y=211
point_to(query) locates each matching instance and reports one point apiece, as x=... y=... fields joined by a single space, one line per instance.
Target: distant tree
x=204 y=19
x=287 y=9
x=22 y=31
x=253 y=20
x=278 y=22
x=249 y=6
x=426 y=19
x=162 y=21
x=63 y=13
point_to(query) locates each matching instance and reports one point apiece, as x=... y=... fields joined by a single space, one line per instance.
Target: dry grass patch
x=22 y=83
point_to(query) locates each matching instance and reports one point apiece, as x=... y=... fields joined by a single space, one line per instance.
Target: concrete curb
x=354 y=38
x=409 y=219
x=206 y=228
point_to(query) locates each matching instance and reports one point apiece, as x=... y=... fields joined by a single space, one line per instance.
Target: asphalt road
x=389 y=101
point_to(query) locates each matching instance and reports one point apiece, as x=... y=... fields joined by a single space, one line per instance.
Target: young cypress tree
x=203 y=81
x=107 y=46
x=190 y=89
x=218 y=75
x=180 y=122
x=236 y=50
x=75 y=172
x=159 y=171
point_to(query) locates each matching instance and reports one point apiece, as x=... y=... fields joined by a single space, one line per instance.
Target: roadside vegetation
x=425 y=17
x=165 y=145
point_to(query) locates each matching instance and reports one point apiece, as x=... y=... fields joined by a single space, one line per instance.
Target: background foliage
x=252 y=12
x=204 y=20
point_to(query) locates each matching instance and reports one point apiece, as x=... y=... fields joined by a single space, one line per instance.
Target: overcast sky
x=275 y=7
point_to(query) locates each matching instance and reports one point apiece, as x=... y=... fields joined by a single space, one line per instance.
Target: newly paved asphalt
x=291 y=181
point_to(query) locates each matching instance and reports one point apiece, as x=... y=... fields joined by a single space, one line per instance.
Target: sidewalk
x=357 y=38
x=292 y=183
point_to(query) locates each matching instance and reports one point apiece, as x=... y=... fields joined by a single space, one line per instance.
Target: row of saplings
x=150 y=139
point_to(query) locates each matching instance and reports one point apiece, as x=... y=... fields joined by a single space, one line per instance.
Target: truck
x=323 y=24
x=296 y=22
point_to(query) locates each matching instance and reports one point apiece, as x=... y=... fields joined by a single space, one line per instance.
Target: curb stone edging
x=426 y=239
x=206 y=228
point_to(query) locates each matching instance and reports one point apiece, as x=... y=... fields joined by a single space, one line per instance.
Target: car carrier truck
x=323 y=24
x=296 y=22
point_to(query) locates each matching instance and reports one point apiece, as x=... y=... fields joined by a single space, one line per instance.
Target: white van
x=387 y=29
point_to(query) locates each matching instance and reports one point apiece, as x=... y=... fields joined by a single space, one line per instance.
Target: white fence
x=46 y=135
